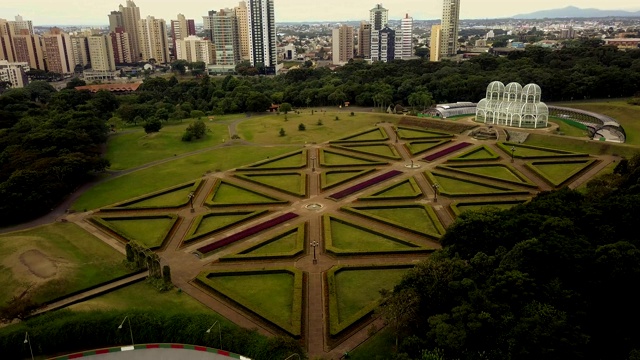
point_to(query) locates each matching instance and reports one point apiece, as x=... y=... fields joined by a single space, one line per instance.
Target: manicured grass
x=479 y=153
x=494 y=172
x=417 y=218
x=347 y=237
x=147 y=232
x=265 y=129
x=78 y=259
x=209 y=223
x=412 y=133
x=292 y=183
x=501 y=172
x=285 y=244
x=227 y=193
x=337 y=177
x=567 y=129
x=558 y=172
x=378 y=347
x=170 y=199
x=355 y=289
x=582 y=146
x=478 y=207
x=417 y=147
x=134 y=147
x=404 y=189
x=531 y=152
x=332 y=158
x=461 y=186
x=383 y=150
x=281 y=245
x=288 y=161
x=171 y=173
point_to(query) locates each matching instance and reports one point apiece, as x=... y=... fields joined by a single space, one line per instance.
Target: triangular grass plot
x=406 y=189
x=455 y=186
x=409 y=133
x=210 y=223
x=333 y=178
x=225 y=193
x=375 y=134
x=347 y=306
x=172 y=197
x=275 y=295
x=294 y=160
x=476 y=154
x=288 y=243
x=149 y=231
x=331 y=158
x=499 y=172
x=345 y=238
x=420 y=146
x=522 y=151
x=420 y=219
x=460 y=207
x=290 y=183
x=558 y=172
x=383 y=150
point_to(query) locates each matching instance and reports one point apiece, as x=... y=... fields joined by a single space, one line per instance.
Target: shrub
x=352 y=114
x=195 y=130
x=301 y=127
x=337 y=118
x=282 y=132
x=285 y=108
x=152 y=125
x=319 y=122
x=196 y=114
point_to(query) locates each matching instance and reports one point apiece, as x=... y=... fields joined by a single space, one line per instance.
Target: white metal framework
x=513 y=105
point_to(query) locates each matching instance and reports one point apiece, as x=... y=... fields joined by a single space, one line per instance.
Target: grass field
x=559 y=172
x=348 y=237
x=415 y=217
x=460 y=186
x=54 y=260
x=265 y=130
x=134 y=147
x=582 y=146
x=378 y=347
x=568 y=130
x=290 y=182
x=173 y=198
x=283 y=244
x=231 y=194
x=171 y=173
x=498 y=171
x=383 y=150
x=338 y=159
x=405 y=189
x=148 y=232
x=478 y=207
x=211 y=222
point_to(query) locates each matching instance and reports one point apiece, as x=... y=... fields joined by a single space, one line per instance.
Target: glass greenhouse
x=513 y=105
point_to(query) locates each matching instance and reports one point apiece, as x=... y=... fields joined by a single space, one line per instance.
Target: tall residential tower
x=262 y=37
x=450 y=27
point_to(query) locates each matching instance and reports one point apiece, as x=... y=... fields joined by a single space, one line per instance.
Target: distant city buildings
x=364 y=40
x=14 y=73
x=450 y=27
x=154 y=43
x=180 y=29
x=262 y=36
x=383 y=44
x=58 y=52
x=404 y=39
x=343 y=49
x=194 y=49
x=434 y=43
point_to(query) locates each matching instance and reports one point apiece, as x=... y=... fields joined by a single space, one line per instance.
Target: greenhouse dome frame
x=513 y=105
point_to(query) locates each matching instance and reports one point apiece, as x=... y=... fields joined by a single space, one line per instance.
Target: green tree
x=301 y=127
x=195 y=130
x=285 y=107
x=73 y=83
x=152 y=125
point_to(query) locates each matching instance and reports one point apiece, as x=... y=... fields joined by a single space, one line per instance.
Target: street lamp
x=219 y=331
x=130 y=330
x=395 y=129
x=26 y=341
x=313 y=163
x=314 y=244
x=513 y=150
x=292 y=355
x=435 y=190
x=191 y=196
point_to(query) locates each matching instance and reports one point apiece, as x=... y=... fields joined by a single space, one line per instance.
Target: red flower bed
x=446 y=151
x=365 y=184
x=247 y=232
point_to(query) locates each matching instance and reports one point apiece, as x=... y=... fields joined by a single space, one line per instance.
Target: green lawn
x=232 y=194
x=214 y=221
x=383 y=150
x=283 y=244
x=558 y=173
x=378 y=347
x=337 y=159
x=582 y=146
x=285 y=182
x=76 y=258
x=416 y=147
x=405 y=189
x=295 y=160
x=134 y=147
x=174 y=198
x=265 y=129
x=568 y=130
x=332 y=178
x=350 y=238
x=460 y=186
x=414 y=217
x=498 y=171
x=478 y=207
x=375 y=134
x=148 y=232
x=171 y=173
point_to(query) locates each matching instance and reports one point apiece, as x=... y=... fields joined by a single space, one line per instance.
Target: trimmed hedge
x=209 y=200
x=259 y=165
x=437 y=134
x=506 y=147
x=295 y=328
x=104 y=224
x=447 y=151
x=365 y=184
x=369 y=162
x=299 y=248
x=492 y=154
x=525 y=181
x=376 y=195
x=128 y=204
x=532 y=166
x=323 y=177
x=329 y=247
x=349 y=139
x=437 y=143
x=191 y=234
x=355 y=148
x=504 y=190
x=301 y=191
x=361 y=211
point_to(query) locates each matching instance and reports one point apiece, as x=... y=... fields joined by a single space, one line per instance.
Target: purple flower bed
x=380 y=178
x=446 y=151
x=248 y=232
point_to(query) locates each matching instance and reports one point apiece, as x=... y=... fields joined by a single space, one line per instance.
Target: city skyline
x=42 y=13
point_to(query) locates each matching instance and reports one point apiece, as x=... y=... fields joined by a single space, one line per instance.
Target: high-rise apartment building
x=101 y=53
x=28 y=49
x=80 y=46
x=243 y=29
x=14 y=73
x=262 y=38
x=116 y=20
x=383 y=44
x=226 y=37
x=58 y=52
x=404 y=39
x=121 y=46
x=194 y=48
x=378 y=17
x=434 y=44
x=180 y=29
x=20 y=24
x=342 y=41
x=6 y=41
x=154 y=44
x=207 y=24
x=131 y=20
x=364 y=40
x=450 y=27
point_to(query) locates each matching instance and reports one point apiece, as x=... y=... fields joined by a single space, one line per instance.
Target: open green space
x=173 y=197
x=333 y=178
x=522 y=151
x=149 y=231
x=133 y=147
x=209 y=223
x=49 y=261
x=294 y=160
x=171 y=173
x=225 y=193
x=378 y=347
x=499 y=172
x=355 y=292
x=460 y=207
x=557 y=173
x=265 y=129
x=375 y=134
x=406 y=189
x=383 y=150
x=583 y=146
x=290 y=183
x=331 y=158
x=285 y=244
x=415 y=133
x=281 y=289
x=344 y=238
x=421 y=219
x=420 y=146
x=457 y=186
x=568 y=128
x=478 y=153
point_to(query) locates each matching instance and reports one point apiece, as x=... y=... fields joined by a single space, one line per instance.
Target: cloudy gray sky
x=94 y=12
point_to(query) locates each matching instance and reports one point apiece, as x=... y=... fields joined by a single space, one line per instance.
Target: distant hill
x=575 y=12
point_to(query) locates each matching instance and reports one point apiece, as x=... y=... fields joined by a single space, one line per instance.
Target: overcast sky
x=94 y=12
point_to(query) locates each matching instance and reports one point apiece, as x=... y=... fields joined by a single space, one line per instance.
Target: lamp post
x=513 y=150
x=191 y=196
x=130 y=330
x=435 y=191
x=219 y=331
x=313 y=163
x=292 y=355
x=395 y=129
x=27 y=341
x=314 y=244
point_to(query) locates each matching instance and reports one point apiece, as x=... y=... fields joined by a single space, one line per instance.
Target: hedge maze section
x=295 y=160
x=420 y=219
x=293 y=183
x=211 y=223
x=225 y=193
x=150 y=231
x=452 y=186
x=558 y=173
x=496 y=172
x=406 y=189
x=330 y=158
x=286 y=244
x=371 y=135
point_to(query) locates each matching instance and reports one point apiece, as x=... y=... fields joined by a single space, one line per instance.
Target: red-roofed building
x=114 y=88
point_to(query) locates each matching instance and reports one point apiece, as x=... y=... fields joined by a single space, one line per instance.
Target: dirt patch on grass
x=39 y=264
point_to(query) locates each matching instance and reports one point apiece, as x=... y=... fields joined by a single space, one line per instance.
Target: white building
x=262 y=35
x=101 y=53
x=194 y=48
x=14 y=73
x=154 y=43
x=404 y=39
